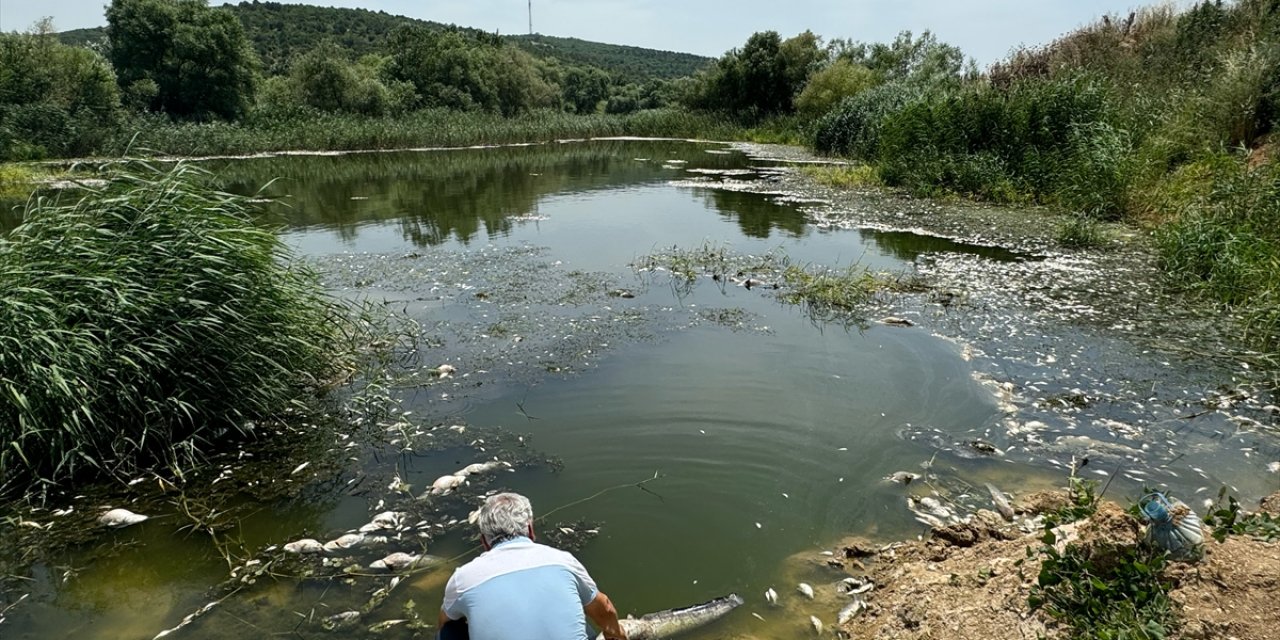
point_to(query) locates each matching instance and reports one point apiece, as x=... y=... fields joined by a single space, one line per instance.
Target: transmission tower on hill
x=530 y=17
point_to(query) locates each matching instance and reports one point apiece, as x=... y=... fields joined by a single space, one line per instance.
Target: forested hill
x=629 y=62
x=282 y=31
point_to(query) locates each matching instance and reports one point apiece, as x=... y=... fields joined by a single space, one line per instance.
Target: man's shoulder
x=514 y=556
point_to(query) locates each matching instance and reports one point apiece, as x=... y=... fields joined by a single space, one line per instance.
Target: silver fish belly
x=664 y=624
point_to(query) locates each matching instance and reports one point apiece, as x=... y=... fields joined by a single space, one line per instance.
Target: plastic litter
x=1173 y=526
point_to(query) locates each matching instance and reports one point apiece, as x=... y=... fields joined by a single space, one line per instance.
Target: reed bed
x=150 y=321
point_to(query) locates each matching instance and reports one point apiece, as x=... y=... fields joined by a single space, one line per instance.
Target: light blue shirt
x=521 y=590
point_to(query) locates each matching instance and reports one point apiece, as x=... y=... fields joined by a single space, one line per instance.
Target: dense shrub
x=830 y=86
x=853 y=128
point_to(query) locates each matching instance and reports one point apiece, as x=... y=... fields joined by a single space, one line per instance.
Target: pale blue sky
x=985 y=29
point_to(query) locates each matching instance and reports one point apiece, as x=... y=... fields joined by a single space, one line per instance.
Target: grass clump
x=823 y=291
x=1081 y=232
x=149 y=322
x=844 y=176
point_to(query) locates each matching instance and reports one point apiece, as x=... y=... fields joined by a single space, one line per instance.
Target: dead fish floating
x=815 y=624
x=853 y=586
x=343 y=620
x=895 y=321
x=805 y=589
x=851 y=611
x=1001 y=501
x=902 y=477
x=306 y=545
x=118 y=518
x=397 y=561
x=771 y=597
x=401 y=561
x=445 y=484
x=383 y=521
x=348 y=541
x=670 y=622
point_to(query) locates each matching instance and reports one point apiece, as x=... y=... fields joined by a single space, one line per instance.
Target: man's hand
x=601 y=612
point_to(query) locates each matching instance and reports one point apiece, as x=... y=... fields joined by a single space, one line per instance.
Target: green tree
x=54 y=99
x=828 y=87
x=922 y=59
x=762 y=78
x=198 y=58
x=467 y=71
x=585 y=88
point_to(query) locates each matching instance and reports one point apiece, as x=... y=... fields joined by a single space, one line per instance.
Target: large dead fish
x=664 y=624
x=1001 y=501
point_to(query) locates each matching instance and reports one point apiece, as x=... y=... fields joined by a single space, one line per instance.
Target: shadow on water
x=907 y=246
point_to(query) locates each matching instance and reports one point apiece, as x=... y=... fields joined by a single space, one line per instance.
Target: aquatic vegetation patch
x=826 y=294
x=845 y=176
x=149 y=320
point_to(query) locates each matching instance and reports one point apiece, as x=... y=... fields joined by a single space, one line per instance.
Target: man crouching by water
x=520 y=590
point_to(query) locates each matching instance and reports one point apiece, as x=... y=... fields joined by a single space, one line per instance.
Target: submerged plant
x=150 y=321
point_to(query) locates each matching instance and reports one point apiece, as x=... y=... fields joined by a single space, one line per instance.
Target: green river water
x=769 y=430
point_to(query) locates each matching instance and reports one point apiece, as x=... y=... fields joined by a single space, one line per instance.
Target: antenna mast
x=530 y=17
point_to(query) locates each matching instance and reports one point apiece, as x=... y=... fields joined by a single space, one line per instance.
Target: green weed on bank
x=150 y=321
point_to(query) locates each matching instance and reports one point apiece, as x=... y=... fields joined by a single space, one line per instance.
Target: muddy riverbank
x=976 y=580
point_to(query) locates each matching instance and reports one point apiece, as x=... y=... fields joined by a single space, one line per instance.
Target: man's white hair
x=505 y=516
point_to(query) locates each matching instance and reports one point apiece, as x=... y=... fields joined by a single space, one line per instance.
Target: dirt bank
x=974 y=580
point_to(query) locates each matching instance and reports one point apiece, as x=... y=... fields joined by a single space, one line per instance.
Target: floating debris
x=903 y=477
x=117 y=518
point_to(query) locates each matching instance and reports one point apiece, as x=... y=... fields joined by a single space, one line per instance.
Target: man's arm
x=444 y=619
x=601 y=612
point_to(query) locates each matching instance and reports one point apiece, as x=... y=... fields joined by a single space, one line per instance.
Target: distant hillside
x=281 y=31
x=631 y=62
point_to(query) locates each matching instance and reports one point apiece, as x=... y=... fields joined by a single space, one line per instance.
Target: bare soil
x=973 y=581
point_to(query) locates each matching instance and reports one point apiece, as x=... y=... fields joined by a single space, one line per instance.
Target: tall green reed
x=150 y=321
